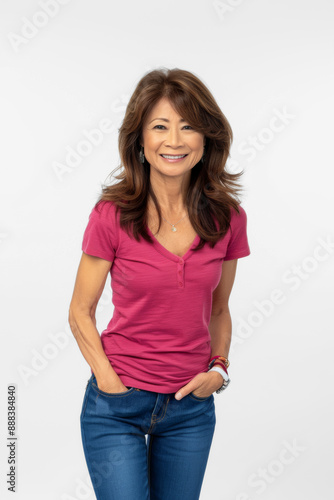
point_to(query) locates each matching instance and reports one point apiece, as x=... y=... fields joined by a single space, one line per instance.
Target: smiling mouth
x=173 y=157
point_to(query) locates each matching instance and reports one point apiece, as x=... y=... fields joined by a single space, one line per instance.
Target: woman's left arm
x=220 y=325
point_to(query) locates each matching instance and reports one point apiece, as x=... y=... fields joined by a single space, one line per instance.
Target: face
x=166 y=137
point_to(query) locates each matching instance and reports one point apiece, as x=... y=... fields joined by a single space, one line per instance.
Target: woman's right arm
x=90 y=280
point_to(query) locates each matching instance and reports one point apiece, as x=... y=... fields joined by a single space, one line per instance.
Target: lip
x=174 y=160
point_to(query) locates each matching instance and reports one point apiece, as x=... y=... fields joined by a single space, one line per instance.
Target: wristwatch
x=226 y=378
x=223 y=387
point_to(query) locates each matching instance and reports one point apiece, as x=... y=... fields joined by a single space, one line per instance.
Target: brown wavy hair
x=212 y=191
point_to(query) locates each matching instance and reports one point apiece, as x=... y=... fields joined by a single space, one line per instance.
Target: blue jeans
x=124 y=464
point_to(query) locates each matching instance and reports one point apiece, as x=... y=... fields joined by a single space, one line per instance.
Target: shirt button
x=180 y=261
x=180 y=283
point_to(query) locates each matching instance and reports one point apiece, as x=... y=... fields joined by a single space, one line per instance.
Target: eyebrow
x=165 y=120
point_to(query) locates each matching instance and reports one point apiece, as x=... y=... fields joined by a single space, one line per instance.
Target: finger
x=184 y=391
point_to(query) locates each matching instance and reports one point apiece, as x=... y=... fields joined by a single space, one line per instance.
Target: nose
x=174 y=138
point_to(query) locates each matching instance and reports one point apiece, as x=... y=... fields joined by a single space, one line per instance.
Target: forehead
x=162 y=109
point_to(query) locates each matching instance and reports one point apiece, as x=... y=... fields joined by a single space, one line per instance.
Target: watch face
x=223 y=387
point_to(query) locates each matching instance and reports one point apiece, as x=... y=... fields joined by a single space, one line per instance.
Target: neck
x=170 y=193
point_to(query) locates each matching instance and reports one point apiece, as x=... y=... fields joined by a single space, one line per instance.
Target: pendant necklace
x=173 y=225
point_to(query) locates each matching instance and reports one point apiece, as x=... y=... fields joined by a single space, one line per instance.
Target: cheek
x=198 y=145
x=151 y=144
x=198 y=150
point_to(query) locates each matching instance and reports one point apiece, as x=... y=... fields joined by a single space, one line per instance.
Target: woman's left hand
x=202 y=385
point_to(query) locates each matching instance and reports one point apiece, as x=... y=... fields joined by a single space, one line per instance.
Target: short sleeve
x=99 y=237
x=238 y=244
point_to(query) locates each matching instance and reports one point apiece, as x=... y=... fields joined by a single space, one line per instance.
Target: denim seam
x=86 y=452
x=86 y=400
x=163 y=416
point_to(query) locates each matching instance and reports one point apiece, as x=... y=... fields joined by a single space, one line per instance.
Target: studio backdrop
x=68 y=69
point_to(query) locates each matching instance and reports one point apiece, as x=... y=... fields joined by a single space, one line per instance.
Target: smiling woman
x=170 y=233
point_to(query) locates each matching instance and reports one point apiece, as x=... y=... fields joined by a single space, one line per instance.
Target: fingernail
x=178 y=395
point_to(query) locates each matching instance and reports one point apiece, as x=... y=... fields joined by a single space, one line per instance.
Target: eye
x=189 y=127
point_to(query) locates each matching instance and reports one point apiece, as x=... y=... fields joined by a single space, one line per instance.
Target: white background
x=260 y=59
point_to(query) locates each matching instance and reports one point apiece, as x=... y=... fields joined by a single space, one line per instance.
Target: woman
x=170 y=234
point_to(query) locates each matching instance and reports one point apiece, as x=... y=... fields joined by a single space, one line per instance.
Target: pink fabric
x=158 y=338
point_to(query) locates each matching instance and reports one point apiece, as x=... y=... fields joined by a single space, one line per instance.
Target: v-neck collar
x=172 y=256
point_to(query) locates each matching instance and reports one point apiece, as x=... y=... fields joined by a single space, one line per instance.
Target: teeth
x=171 y=157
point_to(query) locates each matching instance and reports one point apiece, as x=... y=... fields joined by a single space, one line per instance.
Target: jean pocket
x=198 y=398
x=110 y=394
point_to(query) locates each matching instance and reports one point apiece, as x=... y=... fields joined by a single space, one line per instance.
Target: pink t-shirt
x=158 y=338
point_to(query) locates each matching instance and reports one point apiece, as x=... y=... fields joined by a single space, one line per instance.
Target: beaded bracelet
x=221 y=364
x=221 y=358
